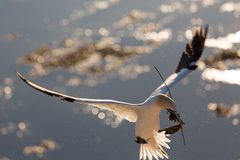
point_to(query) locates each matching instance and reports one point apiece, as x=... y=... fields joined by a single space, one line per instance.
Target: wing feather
x=187 y=63
x=122 y=109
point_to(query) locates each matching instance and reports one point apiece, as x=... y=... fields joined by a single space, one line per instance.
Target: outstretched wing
x=187 y=63
x=122 y=109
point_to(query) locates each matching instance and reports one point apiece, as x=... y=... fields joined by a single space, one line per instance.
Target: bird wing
x=123 y=110
x=187 y=63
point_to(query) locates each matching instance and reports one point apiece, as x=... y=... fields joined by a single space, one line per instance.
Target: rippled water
x=122 y=41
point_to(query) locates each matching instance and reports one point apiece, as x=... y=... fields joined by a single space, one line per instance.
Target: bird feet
x=140 y=140
x=172 y=129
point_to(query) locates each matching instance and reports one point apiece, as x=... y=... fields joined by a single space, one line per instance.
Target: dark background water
x=84 y=136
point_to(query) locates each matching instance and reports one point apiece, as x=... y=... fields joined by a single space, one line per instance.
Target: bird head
x=166 y=102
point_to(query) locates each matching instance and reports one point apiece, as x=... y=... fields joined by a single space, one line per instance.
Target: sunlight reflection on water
x=108 y=117
x=231 y=7
x=20 y=129
x=224 y=110
x=41 y=149
x=122 y=40
x=226 y=76
x=226 y=42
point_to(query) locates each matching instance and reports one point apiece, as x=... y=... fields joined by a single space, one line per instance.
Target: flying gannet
x=145 y=115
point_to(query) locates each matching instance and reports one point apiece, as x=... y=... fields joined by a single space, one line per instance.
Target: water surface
x=161 y=28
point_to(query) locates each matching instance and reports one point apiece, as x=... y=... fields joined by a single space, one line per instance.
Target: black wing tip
x=205 y=30
x=193 y=50
x=24 y=79
x=21 y=76
x=44 y=90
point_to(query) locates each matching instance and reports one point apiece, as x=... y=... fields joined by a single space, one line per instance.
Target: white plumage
x=145 y=114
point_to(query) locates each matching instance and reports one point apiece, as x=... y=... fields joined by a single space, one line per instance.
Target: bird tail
x=154 y=148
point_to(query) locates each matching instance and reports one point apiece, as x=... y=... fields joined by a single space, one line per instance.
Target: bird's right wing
x=187 y=63
x=123 y=110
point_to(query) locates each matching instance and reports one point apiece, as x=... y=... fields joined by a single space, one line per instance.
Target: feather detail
x=193 y=50
x=154 y=148
x=187 y=63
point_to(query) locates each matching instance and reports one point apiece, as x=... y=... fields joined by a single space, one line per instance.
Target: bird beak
x=174 y=116
x=172 y=107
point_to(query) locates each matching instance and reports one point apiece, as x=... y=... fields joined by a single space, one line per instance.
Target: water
x=28 y=117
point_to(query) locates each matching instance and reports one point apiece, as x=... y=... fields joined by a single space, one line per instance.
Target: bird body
x=148 y=115
x=147 y=126
x=147 y=122
x=148 y=133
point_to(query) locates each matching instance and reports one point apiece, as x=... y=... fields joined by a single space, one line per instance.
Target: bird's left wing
x=122 y=109
x=187 y=63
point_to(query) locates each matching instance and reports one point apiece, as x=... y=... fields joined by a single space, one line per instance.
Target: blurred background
x=108 y=49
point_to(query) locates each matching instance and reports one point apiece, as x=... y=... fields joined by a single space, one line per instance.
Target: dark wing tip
x=193 y=50
x=22 y=77
x=45 y=90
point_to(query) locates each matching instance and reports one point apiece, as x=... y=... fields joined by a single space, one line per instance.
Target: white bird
x=148 y=133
